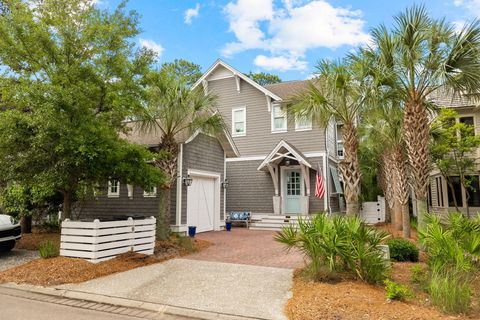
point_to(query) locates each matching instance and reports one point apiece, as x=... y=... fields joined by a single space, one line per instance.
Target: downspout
x=178 y=218
x=326 y=175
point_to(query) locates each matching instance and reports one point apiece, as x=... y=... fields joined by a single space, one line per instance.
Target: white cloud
x=472 y=6
x=152 y=45
x=280 y=63
x=289 y=30
x=192 y=13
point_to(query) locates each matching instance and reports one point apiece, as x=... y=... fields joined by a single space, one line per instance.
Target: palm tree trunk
x=350 y=169
x=168 y=164
x=398 y=215
x=416 y=134
x=406 y=221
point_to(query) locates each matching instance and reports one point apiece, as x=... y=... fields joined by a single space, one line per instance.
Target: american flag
x=319 y=185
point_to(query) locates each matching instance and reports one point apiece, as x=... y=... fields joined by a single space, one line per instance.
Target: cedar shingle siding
x=203 y=153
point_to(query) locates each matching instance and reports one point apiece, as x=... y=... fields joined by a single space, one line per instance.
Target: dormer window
x=279 y=119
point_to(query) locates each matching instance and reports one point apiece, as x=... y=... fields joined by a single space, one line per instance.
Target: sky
x=283 y=37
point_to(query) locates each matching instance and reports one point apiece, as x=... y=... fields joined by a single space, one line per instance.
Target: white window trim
x=150 y=194
x=339 y=140
x=278 y=130
x=244 y=133
x=306 y=128
x=111 y=194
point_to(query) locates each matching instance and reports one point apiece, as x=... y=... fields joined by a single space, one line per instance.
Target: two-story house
x=265 y=163
x=440 y=196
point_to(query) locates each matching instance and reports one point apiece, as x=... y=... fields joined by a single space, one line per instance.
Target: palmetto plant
x=425 y=55
x=338 y=93
x=174 y=110
x=339 y=243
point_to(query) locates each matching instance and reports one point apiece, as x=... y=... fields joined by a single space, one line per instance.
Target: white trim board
x=235 y=73
x=258 y=158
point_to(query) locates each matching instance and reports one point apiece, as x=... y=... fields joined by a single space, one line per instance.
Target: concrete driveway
x=231 y=289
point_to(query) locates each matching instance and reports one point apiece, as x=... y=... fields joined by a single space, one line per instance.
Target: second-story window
x=303 y=123
x=279 y=119
x=113 y=189
x=339 y=142
x=239 y=122
x=469 y=121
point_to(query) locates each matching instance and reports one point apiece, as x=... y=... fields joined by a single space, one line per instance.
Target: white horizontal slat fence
x=98 y=241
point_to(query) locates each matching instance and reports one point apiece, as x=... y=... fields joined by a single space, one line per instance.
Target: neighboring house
x=440 y=196
x=265 y=164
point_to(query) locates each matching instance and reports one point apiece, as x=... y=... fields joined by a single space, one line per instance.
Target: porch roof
x=281 y=151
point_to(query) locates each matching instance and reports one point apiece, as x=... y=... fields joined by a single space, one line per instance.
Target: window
x=303 y=123
x=439 y=187
x=473 y=191
x=469 y=122
x=239 y=122
x=457 y=192
x=339 y=137
x=279 y=119
x=150 y=192
x=113 y=188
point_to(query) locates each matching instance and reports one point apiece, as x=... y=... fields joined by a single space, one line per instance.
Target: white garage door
x=201 y=204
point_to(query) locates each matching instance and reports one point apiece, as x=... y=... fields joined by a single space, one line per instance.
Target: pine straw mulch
x=390 y=228
x=61 y=270
x=347 y=299
x=32 y=241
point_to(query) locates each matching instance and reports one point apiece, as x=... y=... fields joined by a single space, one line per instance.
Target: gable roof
x=288 y=89
x=152 y=138
x=275 y=156
x=236 y=73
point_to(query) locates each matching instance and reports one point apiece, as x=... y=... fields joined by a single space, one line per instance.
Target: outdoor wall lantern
x=187 y=181
x=225 y=184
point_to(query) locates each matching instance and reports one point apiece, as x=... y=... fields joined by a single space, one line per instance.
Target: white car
x=10 y=231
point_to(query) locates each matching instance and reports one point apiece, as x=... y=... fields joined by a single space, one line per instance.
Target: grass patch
x=48 y=249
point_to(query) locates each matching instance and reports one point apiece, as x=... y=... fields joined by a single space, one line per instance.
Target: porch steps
x=274 y=222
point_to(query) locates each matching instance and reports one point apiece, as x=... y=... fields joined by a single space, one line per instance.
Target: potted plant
x=228 y=224
x=191 y=231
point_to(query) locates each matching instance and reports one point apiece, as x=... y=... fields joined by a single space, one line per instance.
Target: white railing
x=98 y=241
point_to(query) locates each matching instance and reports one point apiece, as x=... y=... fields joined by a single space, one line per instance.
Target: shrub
x=402 y=250
x=419 y=274
x=451 y=291
x=395 y=291
x=339 y=243
x=52 y=225
x=48 y=249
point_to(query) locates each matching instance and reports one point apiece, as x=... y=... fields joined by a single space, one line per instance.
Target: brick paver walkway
x=245 y=246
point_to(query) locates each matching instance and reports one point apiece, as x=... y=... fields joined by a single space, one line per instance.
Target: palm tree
x=173 y=109
x=337 y=93
x=425 y=55
x=383 y=127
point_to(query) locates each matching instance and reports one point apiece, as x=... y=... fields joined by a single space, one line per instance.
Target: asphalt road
x=15 y=308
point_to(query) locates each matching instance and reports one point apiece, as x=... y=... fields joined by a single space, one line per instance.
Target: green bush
x=395 y=291
x=339 y=243
x=48 y=249
x=451 y=291
x=419 y=274
x=402 y=250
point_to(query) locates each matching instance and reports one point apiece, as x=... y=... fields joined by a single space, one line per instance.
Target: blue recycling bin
x=191 y=231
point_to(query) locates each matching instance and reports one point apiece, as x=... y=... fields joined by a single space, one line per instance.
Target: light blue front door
x=292 y=190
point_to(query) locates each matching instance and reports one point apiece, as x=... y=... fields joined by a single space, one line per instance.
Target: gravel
x=16 y=257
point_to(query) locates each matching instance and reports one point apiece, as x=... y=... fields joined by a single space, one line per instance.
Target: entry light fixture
x=225 y=184
x=287 y=162
x=187 y=181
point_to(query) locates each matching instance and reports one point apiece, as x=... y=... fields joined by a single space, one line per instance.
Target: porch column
x=304 y=199
x=276 y=198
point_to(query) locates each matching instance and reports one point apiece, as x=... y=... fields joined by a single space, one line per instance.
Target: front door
x=292 y=190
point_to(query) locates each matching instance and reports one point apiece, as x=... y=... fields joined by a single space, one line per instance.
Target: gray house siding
x=249 y=189
x=203 y=153
x=259 y=139
x=253 y=190
x=104 y=208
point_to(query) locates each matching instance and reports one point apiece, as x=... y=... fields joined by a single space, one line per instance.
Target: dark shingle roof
x=288 y=89
x=443 y=98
